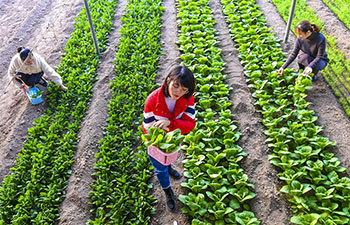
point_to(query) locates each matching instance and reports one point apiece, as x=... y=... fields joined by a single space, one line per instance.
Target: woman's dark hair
x=305 y=26
x=23 y=52
x=184 y=76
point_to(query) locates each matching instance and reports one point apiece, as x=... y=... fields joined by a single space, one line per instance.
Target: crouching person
x=27 y=68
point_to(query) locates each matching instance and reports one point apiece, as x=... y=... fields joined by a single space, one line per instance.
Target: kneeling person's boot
x=174 y=173
x=170 y=199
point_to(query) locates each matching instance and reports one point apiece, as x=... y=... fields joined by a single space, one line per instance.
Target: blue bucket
x=33 y=96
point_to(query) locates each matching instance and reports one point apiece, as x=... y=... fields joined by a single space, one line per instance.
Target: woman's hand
x=280 y=71
x=162 y=124
x=308 y=70
x=63 y=87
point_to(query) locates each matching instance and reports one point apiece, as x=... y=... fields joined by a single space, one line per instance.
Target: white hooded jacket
x=39 y=65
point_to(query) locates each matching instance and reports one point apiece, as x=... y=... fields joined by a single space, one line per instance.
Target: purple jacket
x=314 y=46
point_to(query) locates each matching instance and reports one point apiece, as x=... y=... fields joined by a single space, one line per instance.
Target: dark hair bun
x=24 y=53
x=19 y=49
x=306 y=26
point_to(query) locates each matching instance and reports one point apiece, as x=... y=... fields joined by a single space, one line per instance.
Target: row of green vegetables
x=314 y=181
x=338 y=70
x=341 y=8
x=120 y=193
x=34 y=190
x=217 y=189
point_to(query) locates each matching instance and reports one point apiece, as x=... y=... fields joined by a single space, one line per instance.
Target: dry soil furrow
x=14 y=15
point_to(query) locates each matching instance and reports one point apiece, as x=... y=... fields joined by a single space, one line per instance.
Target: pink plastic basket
x=164 y=158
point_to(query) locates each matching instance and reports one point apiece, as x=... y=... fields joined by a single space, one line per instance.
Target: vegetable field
x=267 y=149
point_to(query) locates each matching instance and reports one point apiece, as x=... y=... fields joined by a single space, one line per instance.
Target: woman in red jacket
x=170 y=107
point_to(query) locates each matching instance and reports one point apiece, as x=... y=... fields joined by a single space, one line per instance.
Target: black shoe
x=43 y=82
x=170 y=199
x=314 y=78
x=174 y=173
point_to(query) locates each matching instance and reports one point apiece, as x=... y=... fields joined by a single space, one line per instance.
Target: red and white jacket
x=183 y=116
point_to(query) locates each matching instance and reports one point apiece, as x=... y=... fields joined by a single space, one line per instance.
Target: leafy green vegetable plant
x=166 y=142
x=37 y=94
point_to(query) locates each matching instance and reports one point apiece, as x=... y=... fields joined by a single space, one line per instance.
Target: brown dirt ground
x=45 y=26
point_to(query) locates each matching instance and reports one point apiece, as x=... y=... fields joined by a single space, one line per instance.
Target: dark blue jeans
x=304 y=60
x=30 y=80
x=162 y=173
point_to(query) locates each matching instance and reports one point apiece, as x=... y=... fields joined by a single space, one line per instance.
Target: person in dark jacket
x=312 y=44
x=171 y=107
